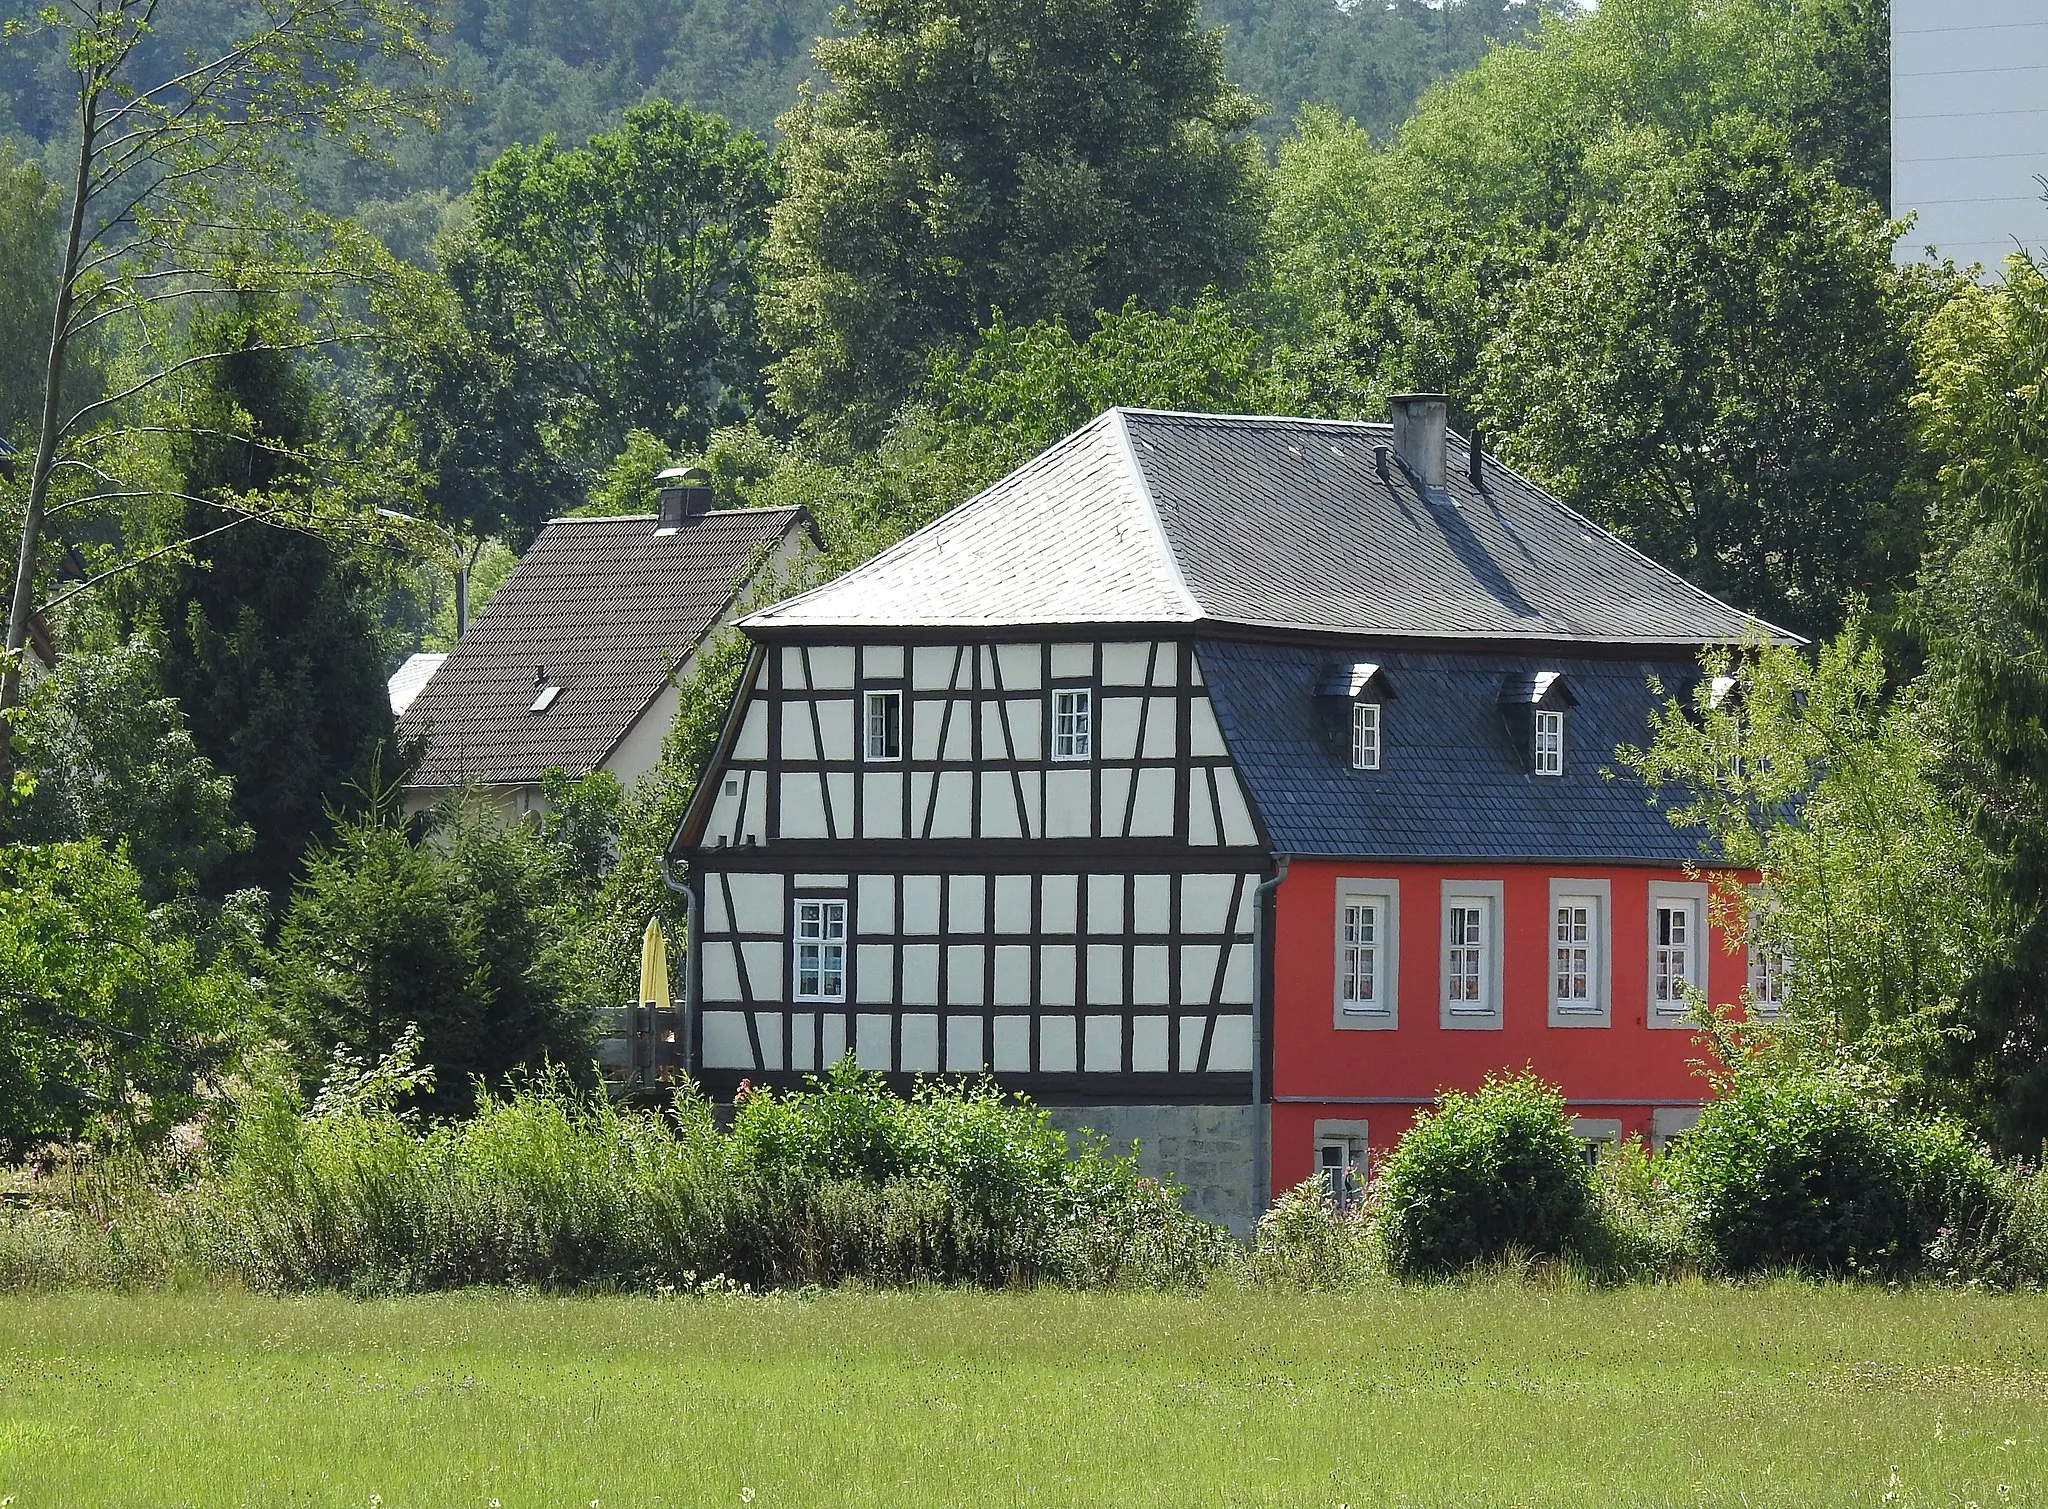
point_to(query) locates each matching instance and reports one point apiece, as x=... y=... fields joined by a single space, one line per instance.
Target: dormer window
x=1365 y=736
x=1349 y=701
x=1549 y=743
x=1533 y=705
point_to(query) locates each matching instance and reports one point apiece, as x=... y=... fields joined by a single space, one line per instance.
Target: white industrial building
x=1970 y=126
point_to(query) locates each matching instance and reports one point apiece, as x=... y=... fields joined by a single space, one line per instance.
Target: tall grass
x=555 y=1188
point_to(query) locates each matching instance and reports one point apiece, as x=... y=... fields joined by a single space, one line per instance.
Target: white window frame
x=1383 y=1012
x=812 y=923
x=880 y=697
x=1547 y=742
x=1461 y=1014
x=1365 y=736
x=1075 y=741
x=1673 y=1011
x=1769 y=972
x=1348 y=1142
x=1596 y=1008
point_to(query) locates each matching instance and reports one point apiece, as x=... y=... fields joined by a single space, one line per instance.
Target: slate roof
x=609 y=608
x=1148 y=517
x=1451 y=785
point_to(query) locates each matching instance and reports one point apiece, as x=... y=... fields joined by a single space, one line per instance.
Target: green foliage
x=1483 y=1176
x=1801 y=1168
x=1720 y=373
x=612 y=286
x=1811 y=775
x=1983 y=409
x=545 y=1185
x=465 y=934
x=1020 y=388
x=1367 y=60
x=1052 y=158
x=1305 y=1242
x=628 y=484
x=30 y=213
x=182 y=160
x=266 y=643
x=112 y=1023
x=112 y=758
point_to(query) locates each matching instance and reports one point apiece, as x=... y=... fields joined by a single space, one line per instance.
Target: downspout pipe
x=1262 y=1132
x=690 y=1003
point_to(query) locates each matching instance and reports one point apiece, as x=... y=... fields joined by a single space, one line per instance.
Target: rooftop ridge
x=645 y=518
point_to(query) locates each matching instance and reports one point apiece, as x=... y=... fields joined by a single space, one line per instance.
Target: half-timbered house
x=1236 y=783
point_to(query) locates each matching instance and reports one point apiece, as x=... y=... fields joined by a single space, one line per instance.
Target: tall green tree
x=1813 y=774
x=267 y=644
x=112 y=1021
x=179 y=190
x=112 y=758
x=1983 y=409
x=1721 y=373
x=468 y=933
x=1051 y=157
x=610 y=288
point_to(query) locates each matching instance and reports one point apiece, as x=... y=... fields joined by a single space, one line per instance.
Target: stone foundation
x=1208 y=1148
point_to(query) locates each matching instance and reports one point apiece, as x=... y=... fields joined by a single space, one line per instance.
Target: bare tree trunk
x=46 y=444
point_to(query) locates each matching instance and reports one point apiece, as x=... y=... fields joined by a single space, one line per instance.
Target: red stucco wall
x=1627 y=1062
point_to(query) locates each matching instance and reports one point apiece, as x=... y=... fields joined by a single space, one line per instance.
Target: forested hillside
x=530 y=70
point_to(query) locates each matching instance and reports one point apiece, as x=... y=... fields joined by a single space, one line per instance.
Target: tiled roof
x=609 y=608
x=410 y=679
x=1150 y=517
x=1450 y=783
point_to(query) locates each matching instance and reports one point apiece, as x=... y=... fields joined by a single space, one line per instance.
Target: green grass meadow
x=1490 y=1394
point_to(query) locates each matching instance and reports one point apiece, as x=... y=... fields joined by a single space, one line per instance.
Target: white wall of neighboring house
x=1970 y=126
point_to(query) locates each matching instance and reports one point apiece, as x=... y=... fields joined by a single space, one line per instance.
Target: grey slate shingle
x=609 y=608
x=1450 y=784
x=1147 y=517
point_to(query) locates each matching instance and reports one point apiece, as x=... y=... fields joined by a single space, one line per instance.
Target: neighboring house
x=1970 y=127
x=39 y=656
x=409 y=680
x=1218 y=780
x=577 y=659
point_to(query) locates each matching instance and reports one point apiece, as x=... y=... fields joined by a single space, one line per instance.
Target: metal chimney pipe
x=1421 y=424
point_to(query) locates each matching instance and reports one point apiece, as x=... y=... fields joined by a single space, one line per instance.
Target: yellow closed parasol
x=654 y=966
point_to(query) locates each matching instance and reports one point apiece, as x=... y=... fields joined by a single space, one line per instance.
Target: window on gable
x=821 y=950
x=1549 y=747
x=1467 y=966
x=1575 y=954
x=1365 y=736
x=1073 y=723
x=883 y=727
x=1674 y=954
x=1361 y=981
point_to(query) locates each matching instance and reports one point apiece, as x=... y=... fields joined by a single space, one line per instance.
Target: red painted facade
x=1619 y=1072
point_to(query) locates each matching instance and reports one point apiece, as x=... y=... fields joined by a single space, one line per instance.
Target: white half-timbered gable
x=1032 y=857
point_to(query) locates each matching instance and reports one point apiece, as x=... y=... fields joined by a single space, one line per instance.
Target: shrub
x=1305 y=1242
x=1481 y=1176
x=1638 y=1227
x=1799 y=1169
